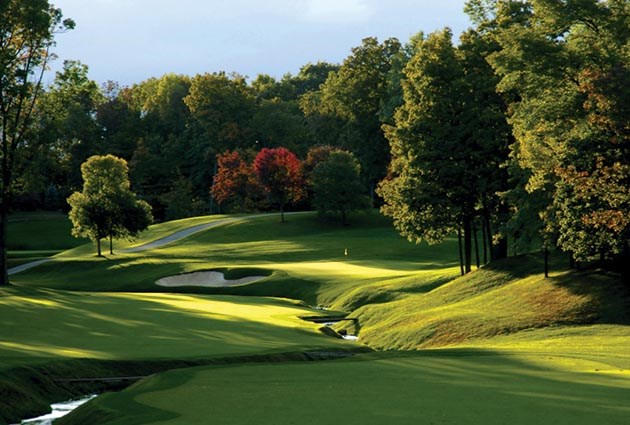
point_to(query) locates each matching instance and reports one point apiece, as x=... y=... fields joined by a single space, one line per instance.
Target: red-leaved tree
x=279 y=172
x=235 y=182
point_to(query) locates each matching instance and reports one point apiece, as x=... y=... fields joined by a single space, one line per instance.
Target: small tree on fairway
x=337 y=187
x=279 y=172
x=106 y=206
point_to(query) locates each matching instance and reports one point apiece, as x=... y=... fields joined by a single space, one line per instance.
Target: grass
x=36 y=235
x=116 y=326
x=456 y=386
x=499 y=345
x=304 y=256
x=497 y=300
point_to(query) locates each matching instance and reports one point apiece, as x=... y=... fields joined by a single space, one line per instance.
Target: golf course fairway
x=449 y=387
x=499 y=345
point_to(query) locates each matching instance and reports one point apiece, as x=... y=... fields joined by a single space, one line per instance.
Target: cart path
x=159 y=242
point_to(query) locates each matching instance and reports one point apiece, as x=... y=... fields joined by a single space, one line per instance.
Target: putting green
x=438 y=387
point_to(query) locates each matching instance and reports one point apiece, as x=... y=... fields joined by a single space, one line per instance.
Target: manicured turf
x=521 y=349
x=45 y=325
x=305 y=256
x=452 y=387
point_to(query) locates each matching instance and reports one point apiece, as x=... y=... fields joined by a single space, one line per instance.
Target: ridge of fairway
x=157 y=243
x=174 y=237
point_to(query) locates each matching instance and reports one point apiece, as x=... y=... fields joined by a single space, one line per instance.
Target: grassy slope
x=498 y=300
x=305 y=256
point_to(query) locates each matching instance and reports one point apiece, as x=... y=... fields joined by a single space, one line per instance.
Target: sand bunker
x=210 y=279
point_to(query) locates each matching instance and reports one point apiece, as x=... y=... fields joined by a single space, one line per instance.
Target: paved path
x=157 y=243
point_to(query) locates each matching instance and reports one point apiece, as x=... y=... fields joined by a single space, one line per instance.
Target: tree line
x=517 y=132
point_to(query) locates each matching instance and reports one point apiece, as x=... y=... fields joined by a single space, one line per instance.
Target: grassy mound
x=501 y=299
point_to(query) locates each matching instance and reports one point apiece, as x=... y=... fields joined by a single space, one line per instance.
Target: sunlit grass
x=59 y=325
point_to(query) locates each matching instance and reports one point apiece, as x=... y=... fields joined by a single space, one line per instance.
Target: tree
x=356 y=95
x=106 y=207
x=65 y=127
x=27 y=32
x=337 y=187
x=279 y=172
x=567 y=65
x=448 y=143
x=235 y=184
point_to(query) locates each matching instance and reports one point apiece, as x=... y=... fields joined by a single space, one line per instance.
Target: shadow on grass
x=468 y=387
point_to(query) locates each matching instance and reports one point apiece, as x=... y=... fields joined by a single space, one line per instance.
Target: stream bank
x=29 y=391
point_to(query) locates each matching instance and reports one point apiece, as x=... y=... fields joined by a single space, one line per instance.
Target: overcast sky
x=131 y=40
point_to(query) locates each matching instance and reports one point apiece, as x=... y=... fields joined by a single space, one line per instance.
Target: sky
x=129 y=41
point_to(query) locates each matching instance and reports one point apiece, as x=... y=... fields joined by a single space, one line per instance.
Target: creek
x=58 y=410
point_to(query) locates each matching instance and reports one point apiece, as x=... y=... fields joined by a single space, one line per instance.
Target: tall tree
x=235 y=185
x=569 y=65
x=337 y=187
x=354 y=97
x=279 y=172
x=448 y=142
x=27 y=32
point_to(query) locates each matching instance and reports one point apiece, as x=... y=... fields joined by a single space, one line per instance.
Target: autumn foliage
x=235 y=182
x=279 y=173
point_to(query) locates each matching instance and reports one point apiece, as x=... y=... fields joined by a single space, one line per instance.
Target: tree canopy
x=106 y=207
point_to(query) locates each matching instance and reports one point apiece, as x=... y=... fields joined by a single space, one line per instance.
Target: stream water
x=58 y=410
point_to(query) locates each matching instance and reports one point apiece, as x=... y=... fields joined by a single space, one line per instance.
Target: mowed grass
x=304 y=257
x=36 y=235
x=46 y=325
x=443 y=387
x=500 y=345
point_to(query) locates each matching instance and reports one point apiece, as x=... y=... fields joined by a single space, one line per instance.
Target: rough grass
x=501 y=299
x=36 y=235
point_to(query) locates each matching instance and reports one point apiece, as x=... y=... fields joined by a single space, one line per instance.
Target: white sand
x=210 y=279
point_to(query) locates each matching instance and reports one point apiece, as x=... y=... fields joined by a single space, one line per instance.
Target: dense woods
x=517 y=134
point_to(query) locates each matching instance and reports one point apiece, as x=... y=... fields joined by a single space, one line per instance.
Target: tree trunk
x=467 y=244
x=4 y=217
x=98 y=247
x=343 y=218
x=461 y=256
x=4 y=206
x=282 y=213
x=483 y=240
x=546 y=261
x=474 y=229
x=486 y=219
x=111 y=245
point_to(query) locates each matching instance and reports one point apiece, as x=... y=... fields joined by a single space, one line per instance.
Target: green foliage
x=337 y=186
x=350 y=102
x=106 y=206
x=448 y=142
x=568 y=65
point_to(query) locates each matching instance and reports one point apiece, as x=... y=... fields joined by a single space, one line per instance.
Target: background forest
x=518 y=131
